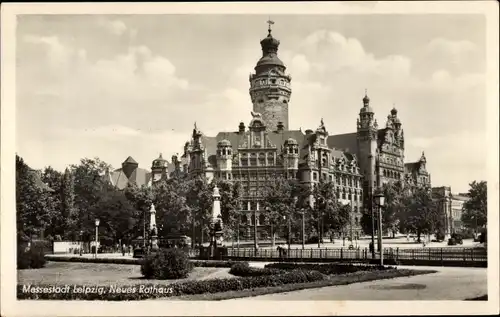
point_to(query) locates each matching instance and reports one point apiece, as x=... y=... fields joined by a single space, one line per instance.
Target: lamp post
x=373 y=224
x=303 y=229
x=289 y=232
x=96 y=235
x=379 y=201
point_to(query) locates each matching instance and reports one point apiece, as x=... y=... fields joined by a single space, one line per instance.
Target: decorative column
x=216 y=223
x=152 y=228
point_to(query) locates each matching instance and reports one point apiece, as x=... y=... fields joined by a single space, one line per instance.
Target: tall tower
x=159 y=168
x=367 y=134
x=270 y=87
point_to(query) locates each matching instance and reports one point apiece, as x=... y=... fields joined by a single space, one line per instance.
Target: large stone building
x=356 y=162
x=450 y=206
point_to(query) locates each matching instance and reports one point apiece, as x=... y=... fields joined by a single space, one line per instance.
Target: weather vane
x=270 y=22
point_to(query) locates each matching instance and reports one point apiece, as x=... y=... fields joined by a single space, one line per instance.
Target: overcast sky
x=114 y=86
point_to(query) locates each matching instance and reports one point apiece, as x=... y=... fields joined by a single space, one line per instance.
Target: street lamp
x=303 y=228
x=96 y=233
x=379 y=202
x=289 y=232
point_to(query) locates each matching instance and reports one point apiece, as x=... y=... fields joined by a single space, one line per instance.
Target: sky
x=110 y=86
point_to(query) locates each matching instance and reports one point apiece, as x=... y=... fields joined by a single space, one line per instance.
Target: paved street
x=449 y=283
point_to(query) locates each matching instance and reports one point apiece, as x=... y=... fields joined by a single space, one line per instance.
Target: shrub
x=32 y=258
x=327 y=269
x=166 y=264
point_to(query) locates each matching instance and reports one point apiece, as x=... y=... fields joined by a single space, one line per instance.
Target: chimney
x=280 y=126
x=241 y=128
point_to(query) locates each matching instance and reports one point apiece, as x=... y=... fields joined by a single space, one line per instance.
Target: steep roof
x=347 y=141
x=412 y=167
x=130 y=160
x=138 y=176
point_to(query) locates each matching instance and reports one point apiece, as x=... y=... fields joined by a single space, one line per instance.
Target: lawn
x=62 y=273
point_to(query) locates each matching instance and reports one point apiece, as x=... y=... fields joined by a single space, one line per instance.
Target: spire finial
x=270 y=22
x=195 y=127
x=366 y=92
x=161 y=155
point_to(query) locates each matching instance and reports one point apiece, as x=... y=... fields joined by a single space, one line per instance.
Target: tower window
x=285 y=101
x=273 y=81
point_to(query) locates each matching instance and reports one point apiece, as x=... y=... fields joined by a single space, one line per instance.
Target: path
x=449 y=283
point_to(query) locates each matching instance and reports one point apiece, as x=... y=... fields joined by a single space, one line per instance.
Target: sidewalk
x=449 y=283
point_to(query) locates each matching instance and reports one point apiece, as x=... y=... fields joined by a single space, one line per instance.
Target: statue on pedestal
x=152 y=228
x=216 y=223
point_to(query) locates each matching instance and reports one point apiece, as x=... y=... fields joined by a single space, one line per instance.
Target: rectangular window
x=315 y=176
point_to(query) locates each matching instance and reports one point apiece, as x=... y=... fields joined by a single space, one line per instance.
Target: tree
x=141 y=199
x=324 y=205
x=32 y=203
x=68 y=211
x=116 y=215
x=420 y=214
x=393 y=194
x=278 y=202
x=88 y=184
x=336 y=217
x=475 y=212
x=56 y=222
x=199 y=200
x=173 y=214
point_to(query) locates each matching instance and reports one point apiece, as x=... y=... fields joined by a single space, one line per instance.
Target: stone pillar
x=216 y=223
x=152 y=228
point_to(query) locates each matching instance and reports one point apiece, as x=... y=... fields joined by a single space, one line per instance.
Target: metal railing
x=357 y=255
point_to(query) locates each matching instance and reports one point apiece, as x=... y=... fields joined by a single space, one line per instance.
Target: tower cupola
x=270 y=86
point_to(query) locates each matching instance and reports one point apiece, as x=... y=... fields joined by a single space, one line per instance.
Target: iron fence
x=358 y=255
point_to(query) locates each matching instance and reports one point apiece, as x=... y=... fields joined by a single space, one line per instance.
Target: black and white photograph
x=167 y=154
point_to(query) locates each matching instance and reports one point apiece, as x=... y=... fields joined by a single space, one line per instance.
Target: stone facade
x=356 y=163
x=450 y=206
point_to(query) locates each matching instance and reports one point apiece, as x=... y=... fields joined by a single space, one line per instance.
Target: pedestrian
x=130 y=249
x=124 y=249
x=280 y=252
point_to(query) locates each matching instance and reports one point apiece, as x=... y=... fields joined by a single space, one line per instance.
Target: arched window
x=244 y=219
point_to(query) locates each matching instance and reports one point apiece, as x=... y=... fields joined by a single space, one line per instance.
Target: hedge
x=327 y=269
x=32 y=258
x=244 y=269
x=133 y=292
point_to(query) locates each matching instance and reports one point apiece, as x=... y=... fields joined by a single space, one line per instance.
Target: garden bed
x=198 y=286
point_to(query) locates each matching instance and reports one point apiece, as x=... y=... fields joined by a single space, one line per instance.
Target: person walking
x=124 y=249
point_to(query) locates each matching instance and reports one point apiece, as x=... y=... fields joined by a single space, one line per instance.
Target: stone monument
x=216 y=223
x=152 y=228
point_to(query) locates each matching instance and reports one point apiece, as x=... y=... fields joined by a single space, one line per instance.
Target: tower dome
x=394 y=111
x=270 y=88
x=159 y=162
x=224 y=143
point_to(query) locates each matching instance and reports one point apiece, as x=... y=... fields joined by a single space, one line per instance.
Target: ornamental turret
x=224 y=157
x=270 y=86
x=159 y=168
x=291 y=156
